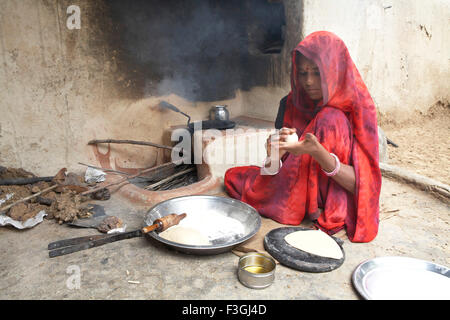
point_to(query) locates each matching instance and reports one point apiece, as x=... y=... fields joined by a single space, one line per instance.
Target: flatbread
x=185 y=235
x=315 y=242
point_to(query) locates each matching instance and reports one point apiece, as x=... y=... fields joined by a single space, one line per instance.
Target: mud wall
x=400 y=47
x=54 y=83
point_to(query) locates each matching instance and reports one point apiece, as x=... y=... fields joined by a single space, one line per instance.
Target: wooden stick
x=142 y=143
x=176 y=183
x=170 y=184
x=104 y=169
x=418 y=180
x=111 y=170
x=125 y=180
x=169 y=178
x=167 y=182
x=28 y=198
x=23 y=181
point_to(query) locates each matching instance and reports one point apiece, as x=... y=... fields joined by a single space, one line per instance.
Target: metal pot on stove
x=219 y=118
x=219 y=112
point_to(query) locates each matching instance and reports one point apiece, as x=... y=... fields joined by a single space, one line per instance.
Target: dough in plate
x=315 y=242
x=185 y=235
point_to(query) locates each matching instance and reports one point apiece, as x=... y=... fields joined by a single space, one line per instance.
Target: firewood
x=423 y=183
x=169 y=178
x=142 y=143
x=23 y=181
x=125 y=180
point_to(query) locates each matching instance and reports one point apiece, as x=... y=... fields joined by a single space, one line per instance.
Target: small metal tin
x=256 y=270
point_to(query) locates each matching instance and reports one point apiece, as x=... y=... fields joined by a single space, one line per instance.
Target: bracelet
x=336 y=169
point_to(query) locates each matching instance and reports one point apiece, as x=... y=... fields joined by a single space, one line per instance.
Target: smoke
x=199 y=49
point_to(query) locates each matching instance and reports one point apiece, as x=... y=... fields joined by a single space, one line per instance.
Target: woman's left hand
x=308 y=145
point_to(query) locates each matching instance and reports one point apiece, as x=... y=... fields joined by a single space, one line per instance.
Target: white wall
x=401 y=48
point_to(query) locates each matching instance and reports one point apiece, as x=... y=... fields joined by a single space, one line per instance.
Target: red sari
x=345 y=124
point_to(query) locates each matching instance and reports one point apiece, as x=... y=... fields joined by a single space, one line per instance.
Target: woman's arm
x=346 y=175
x=310 y=145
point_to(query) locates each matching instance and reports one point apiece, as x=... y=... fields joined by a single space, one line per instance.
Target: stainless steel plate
x=232 y=208
x=403 y=278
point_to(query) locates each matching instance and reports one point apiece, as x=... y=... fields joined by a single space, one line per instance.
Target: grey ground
x=419 y=229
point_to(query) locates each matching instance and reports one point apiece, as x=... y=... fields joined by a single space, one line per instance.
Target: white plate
x=402 y=278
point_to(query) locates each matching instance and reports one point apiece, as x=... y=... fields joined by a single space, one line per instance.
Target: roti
x=315 y=242
x=185 y=235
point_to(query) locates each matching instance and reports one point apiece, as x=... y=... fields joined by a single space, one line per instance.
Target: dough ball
x=185 y=235
x=292 y=137
x=315 y=242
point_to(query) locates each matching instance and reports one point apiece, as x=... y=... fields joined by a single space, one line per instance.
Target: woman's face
x=308 y=76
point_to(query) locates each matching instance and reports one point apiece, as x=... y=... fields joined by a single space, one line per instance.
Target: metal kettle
x=219 y=113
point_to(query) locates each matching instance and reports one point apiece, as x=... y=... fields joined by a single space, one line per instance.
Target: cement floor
x=413 y=224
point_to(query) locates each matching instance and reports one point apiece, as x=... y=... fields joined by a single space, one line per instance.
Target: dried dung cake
x=65 y=205
x=68 y=207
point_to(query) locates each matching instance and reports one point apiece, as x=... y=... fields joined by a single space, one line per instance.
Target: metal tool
x=94 y=220
x=167 y=105
x=62 y=247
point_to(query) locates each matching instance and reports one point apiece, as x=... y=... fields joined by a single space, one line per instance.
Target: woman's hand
x=274 y=140
x=308 y=145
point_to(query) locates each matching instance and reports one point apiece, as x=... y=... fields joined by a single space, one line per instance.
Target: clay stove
x=245 y=143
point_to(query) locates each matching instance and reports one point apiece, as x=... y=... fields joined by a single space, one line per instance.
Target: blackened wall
x=200 y=50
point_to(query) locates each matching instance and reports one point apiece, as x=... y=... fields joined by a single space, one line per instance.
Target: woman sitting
x=331 y=174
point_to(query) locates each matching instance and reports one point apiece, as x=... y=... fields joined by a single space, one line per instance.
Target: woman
x=331 y=174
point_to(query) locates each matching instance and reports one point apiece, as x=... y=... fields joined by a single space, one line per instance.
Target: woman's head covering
x=342 y=85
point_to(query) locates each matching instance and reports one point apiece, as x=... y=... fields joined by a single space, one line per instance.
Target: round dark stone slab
x=298 y=259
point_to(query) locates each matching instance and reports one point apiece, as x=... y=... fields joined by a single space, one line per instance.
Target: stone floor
x=413 y=224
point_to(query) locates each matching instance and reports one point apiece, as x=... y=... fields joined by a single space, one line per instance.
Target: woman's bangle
x=336 y=169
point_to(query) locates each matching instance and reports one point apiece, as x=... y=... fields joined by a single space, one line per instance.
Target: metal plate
x=232 y=208
x=392 y=278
